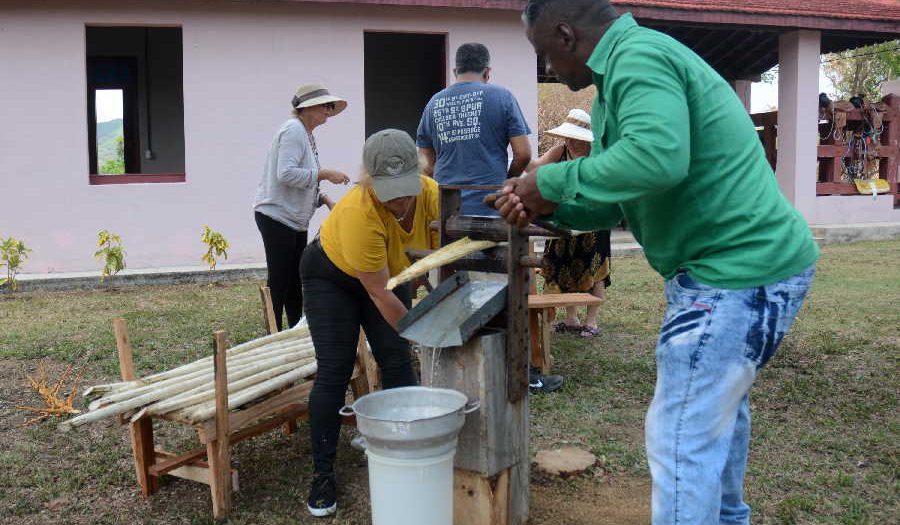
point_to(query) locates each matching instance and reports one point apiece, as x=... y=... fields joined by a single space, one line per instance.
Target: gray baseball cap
x=390 y=158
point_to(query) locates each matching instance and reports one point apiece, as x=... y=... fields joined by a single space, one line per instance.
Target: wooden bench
x=210 y=463
x=541 y=313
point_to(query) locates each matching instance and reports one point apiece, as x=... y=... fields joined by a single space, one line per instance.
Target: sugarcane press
x=474 y=335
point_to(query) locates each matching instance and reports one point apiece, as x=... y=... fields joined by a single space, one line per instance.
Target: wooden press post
x=491 y=475
x=451 y=201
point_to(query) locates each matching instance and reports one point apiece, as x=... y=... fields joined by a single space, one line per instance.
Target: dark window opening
x=135 y=104
x=402 y=71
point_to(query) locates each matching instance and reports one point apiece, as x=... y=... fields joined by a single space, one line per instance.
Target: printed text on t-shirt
x=458 y=117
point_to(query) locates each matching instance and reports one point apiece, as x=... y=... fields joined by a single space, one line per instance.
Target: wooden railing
x=833 y=148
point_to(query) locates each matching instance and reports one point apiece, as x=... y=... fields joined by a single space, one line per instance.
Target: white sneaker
x=359 y=443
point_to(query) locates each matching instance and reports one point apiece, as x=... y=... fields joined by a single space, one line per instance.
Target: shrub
x=216 y=246
x=110 y=252
x=13 y=253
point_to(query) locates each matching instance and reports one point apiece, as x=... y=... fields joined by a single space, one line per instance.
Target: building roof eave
x=770 y=20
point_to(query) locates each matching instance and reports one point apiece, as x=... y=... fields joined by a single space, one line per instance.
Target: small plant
x=12 y=254
x=110 y=252
x=216 y=245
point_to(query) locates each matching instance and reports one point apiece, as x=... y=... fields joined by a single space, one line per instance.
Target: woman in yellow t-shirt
x=361 y=245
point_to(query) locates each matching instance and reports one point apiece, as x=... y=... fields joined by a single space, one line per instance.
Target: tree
x=116 y=166
x=862 y=71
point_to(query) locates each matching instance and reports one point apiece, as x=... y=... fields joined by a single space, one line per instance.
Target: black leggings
x=336 y=306
x=283 y=246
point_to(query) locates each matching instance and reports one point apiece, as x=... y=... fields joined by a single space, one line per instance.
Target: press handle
x=472 y=406
x=346 y=411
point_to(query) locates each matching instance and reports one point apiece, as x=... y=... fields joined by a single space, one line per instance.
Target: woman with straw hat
x=288 y=195
x=579 y=263
x=362 y=244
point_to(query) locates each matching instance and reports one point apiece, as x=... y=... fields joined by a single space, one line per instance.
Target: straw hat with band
x=576 y=126
x=391 y=159
x=314 y=95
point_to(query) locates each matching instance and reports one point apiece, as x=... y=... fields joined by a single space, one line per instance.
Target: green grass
x=826 y=432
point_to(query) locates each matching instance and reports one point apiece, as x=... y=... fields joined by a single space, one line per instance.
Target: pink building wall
x=242 y=63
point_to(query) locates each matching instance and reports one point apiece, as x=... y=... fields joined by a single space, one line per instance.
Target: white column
x=798 y=89
x=743 y=88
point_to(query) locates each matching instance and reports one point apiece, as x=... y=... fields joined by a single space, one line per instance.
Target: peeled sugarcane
x=199 y=365
x=232 y=352
x=207 y=410
x=446 y=255
x=176 y=385
x=207 y=392
x=254 y=369
x=129 y=404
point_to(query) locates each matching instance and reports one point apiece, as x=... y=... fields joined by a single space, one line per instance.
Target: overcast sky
x=109 y=104
x=765 y=96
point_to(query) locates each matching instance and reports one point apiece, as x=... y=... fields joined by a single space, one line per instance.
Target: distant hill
x=107 y=132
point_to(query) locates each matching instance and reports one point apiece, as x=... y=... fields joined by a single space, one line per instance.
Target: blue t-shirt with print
x=468 y=125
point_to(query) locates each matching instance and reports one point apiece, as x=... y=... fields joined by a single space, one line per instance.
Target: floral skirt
x=576 y=264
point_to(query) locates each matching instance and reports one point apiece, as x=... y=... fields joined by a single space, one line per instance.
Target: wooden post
x=141 y=431
x=492 y=460
x=890 y=141
x=517 y=333
x=218 y=450
x=451 y=201
x=265 y=296
x=268 y=312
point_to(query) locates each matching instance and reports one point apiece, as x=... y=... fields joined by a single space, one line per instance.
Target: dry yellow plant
x=55 y=405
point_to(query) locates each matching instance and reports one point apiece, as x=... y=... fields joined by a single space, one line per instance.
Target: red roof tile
x=885 y=10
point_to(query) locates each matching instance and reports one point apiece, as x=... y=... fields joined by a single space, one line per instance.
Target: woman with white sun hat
x=288 y=195
x=579 y=263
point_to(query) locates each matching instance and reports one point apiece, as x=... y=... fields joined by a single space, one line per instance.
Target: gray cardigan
x=289 y=189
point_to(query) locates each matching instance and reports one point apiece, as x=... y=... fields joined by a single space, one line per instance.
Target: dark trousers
x=283 y=246
x=336 y=306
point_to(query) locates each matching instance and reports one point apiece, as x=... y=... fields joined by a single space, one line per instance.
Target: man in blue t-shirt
x=466 y=128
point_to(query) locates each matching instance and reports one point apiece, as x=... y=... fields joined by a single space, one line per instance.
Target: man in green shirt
x=676 y=154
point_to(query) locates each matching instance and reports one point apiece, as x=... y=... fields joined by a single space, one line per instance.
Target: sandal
x=589 y=332
x=561 y=327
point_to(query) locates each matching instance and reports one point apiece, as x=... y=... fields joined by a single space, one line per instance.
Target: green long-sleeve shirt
x=675 y=152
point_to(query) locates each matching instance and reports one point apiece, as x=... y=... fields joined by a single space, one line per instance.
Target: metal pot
x=411 y=422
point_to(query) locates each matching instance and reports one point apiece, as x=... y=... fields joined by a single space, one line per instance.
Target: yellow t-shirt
x=361 y=235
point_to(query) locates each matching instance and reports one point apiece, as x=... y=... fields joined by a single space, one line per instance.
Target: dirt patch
x=586 y=501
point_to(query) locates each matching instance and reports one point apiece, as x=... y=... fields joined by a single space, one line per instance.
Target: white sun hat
x=314 y=95
x=576 y=126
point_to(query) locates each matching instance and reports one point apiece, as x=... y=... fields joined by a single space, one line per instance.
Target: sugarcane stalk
x=207 y=361
x=208 y=409
x=191 y=369
x=129 y=404
x=446 y=255
x=206 y=393
x=238 y=370
x=295 y=359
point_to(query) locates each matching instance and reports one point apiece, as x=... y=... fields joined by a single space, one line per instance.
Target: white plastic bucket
x=411 y=434
x=411 y=491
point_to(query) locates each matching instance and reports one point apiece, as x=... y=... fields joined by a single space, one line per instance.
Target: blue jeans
x=712 y=343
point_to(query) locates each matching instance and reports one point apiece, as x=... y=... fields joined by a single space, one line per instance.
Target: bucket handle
x=346 y=411
x=472 y=406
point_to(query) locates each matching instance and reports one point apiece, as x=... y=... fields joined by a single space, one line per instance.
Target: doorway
x=402 y=71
